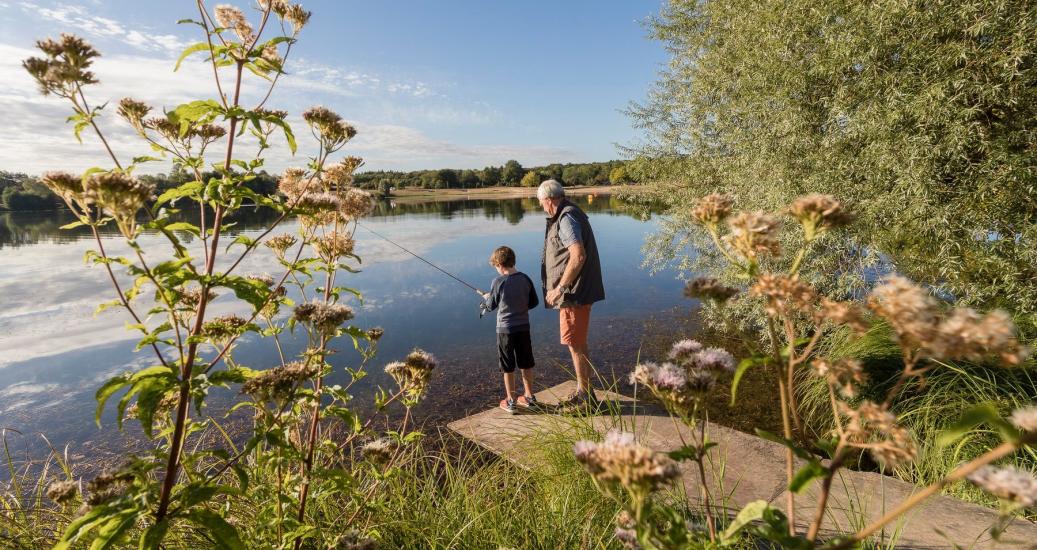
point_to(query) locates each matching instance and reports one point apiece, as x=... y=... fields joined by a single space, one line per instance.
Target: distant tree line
x=20 y=191
x=510 y=174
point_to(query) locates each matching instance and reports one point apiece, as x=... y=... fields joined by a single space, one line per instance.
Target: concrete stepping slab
x=744 y=468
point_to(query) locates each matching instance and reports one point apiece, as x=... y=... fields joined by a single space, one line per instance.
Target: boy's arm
x=493 y=296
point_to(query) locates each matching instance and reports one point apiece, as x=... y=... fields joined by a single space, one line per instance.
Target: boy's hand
x=482 y=294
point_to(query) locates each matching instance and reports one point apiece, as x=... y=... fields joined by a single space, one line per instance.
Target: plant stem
x=702 y=478
x=959 y=473
x=186 y=367
x=790 y=499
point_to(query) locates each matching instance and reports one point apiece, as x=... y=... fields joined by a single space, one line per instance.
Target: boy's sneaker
x=508 y=405
x=527 y=402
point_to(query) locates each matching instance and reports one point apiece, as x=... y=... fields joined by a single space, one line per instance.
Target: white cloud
x=81 y=21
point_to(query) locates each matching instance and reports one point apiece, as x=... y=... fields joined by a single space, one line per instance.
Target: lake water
x=54 y=352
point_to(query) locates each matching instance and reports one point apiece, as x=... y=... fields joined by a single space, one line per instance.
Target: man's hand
x=553 y=296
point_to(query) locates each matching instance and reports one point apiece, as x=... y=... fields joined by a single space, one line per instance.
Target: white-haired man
x=570 y=272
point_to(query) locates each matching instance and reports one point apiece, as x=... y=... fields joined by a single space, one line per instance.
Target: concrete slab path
x=747 y=468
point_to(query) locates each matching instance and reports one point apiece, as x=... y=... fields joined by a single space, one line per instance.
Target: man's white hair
x=550 y=189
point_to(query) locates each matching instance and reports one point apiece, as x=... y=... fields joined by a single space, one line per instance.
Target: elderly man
x=571 y=276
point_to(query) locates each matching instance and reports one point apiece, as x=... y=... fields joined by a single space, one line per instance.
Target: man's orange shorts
x=573 y=323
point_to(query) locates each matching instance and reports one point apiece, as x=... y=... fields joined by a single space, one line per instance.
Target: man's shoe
x=508 y=405
x=580 y=398
x=527 y=402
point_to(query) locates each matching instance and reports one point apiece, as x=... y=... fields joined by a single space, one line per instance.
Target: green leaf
x=114 y=530
x=805 y=475
x=194 y=48
x=740 y=371
x=113 y=385
x=153 y=536
x=72 y=225
x=985 y=413
x=748 y=514
x=82 y=526
x=224 y=534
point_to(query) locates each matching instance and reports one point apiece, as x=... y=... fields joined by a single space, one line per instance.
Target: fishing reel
x=483 y=310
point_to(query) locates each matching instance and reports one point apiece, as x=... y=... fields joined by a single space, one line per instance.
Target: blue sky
x=429 y=84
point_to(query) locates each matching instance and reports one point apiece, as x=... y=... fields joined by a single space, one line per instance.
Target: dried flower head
x=165 y=128
x=356 y=204
x=785 y=295
x=224 y=328
x=191 y=297
x=619 y=459
x=753 y=234
x=208 y=133
x=66 y=66
x=378 y=452
x=683 y=351
x=280 y=243
x=297 y=17
x=965 y=334
x=818 y=213
x=134 y=112
x=712 y=209
x=293 y=183
x=66 y=186
x=319 y=117
x=319 y=203
x=271 y=56
x=909 y=309
x=714 y=360
x=708 y=288
x=231 y=17
x=107 y=486
x=279 y=383
x=119 y=195
x=1007 y=483
x=1025 y=419
x=874 y=428
x=62 y=492
x=333 y=246
x=846 y=375
x=324 y=318
x=678 y=390
x=341 y=174
x=843 y=313
x=413 y=373
x=375 y=334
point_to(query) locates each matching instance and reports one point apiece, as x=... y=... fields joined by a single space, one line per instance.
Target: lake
x=56 y=352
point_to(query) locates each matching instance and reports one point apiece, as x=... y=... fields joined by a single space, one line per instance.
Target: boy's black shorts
x=515 y=350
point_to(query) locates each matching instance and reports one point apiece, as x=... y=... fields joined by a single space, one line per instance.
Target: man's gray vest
x=588 y=287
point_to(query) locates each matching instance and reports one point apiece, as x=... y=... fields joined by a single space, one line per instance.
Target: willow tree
x=921 y=114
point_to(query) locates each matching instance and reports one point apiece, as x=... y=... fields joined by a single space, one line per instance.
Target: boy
x=512 y=295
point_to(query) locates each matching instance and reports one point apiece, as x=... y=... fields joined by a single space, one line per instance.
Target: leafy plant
x=289 y=459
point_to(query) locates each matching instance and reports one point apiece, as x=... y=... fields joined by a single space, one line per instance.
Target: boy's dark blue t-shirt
x=512 y=296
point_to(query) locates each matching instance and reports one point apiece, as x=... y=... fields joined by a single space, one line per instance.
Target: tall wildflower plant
x=290 y=451
x=796 y=317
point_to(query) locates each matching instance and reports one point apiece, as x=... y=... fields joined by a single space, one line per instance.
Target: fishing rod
x=401 y=247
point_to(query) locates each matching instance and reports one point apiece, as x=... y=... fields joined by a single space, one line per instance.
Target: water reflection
x=55 y=352
x=29 y=228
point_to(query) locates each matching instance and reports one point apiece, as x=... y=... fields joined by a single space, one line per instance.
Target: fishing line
x=401 y=247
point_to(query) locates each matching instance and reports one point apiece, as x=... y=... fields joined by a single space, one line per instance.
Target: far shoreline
x=411 y=194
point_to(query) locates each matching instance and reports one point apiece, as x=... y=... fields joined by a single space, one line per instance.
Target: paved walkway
x=747 y=468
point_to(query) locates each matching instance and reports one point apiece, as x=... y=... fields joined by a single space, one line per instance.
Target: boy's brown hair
x=503 y=256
